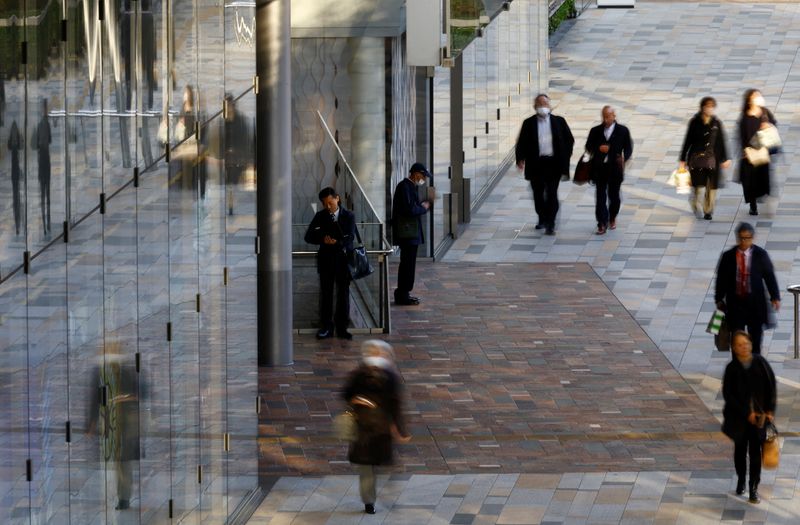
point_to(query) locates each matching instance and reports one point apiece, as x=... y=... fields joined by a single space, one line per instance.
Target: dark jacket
x=343 y=230
x=698 y=141
x=755 y=180
x=406 y=206
x=373 y=445
x=761 y=273
x=527 y=147
x=620 y=150
x=746 y=390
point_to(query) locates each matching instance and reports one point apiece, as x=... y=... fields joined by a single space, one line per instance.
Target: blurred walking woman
x=749 y=390
x=705 y=153
x=754 y=179
x=373 y=394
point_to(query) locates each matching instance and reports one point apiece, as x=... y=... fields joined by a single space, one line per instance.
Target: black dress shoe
x=740 y=486
x=325 y=333
x=369 y=508
x=754 y=499
x=707 y=216
x=550 y=231
x=344 y=334
x=539 y=226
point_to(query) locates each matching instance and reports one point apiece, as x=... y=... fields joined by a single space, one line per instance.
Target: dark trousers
x=333 y=272
x=607 y=200
x=406 y=271
x=748 y=444
x=739 y=318
x=545 y=191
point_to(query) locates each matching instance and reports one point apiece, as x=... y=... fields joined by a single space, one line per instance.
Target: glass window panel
x=441 y=149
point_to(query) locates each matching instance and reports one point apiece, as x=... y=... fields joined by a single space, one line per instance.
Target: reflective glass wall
x=504 y=67
x=127 y=272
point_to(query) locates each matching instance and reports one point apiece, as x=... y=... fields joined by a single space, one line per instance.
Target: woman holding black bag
x=705 y=153
x=750 y=394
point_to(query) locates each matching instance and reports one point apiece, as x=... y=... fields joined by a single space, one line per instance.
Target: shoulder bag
x=583 y=170
x=358 y=262
x=757 y=157
x=770 y=449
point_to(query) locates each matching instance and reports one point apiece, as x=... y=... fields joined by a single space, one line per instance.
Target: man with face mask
x=407 y=212
x=543 y=150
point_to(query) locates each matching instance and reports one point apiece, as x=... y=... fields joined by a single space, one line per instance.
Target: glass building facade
x=127 y=264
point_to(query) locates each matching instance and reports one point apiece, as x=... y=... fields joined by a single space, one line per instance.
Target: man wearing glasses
x=742 y=273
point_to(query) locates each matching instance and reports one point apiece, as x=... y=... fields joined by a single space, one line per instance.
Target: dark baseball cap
x=419 y=167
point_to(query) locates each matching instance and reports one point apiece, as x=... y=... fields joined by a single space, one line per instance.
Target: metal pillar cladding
x=274 y=179
x=795 y=290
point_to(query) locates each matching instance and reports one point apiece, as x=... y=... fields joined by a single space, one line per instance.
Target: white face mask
x=421 y=182
x=543 y=112
x=759 y=101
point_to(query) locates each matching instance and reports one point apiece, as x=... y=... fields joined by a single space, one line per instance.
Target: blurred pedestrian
x=333 y=228
x=749 y=390
x=755 y=179
x=373 y=392
x=543 y=150
x=705 y=153
x=610 y=146
x=742 y=273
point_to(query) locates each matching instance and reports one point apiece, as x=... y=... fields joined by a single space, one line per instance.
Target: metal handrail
x=795 y=290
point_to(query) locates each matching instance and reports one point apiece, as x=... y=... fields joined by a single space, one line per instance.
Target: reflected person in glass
x=15 y=145
x=42 y=138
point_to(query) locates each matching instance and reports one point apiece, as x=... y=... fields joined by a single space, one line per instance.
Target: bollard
x=795 y=290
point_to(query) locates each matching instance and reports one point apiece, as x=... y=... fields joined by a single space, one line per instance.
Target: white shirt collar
x=609 y=130
x=336 y=214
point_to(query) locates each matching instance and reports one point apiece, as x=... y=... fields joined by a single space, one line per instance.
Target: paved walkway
x=653 y=63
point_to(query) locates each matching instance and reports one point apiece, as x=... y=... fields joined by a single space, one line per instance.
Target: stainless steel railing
x=795 y=291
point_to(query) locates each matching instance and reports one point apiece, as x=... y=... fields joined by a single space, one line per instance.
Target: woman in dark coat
x=704 y=149
x=750 y=394
x=373 y=393
x=754 y=179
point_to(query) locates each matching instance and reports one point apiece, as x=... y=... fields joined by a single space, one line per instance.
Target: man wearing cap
x=407 y=212
x=543 y=150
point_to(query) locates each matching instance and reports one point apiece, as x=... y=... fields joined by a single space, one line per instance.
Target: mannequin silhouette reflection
x=114 y=417
x=41 y=142
x=15 y=146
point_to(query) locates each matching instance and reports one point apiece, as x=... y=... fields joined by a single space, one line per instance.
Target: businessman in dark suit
x=543 y=150
x=333 y=228
x=610 y=146
x=742 y=273
x=407 y=212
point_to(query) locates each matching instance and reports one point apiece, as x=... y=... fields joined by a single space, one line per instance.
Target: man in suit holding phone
x=610 y=146
x=742 y=273
x=407 y=212
x=543 y=150
x=333 y=228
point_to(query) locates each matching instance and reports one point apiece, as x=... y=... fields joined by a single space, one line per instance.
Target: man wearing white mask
x=407 y=212
x=543 y=150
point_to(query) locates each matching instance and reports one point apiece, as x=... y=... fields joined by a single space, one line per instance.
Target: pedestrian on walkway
x=749 y=390
x=407 y=212
x=543 y=150
x=373 y=393
x=742 y=273
x=333 y=228
x=705 y=153
x=755 y=179
x=610 y=146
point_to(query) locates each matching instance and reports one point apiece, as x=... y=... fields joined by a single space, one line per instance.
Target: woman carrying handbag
x=754 y=172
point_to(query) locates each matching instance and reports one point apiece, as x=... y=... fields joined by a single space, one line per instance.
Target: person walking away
x=407 y=233
x=742 y=273
x=543 y=150
x=755 y=179
x=705 y=153
x=333 y=228
x=750 y=394
x=373 y=393
x=610 y=146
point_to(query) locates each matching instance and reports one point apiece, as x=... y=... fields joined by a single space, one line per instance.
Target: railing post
x=795 y=290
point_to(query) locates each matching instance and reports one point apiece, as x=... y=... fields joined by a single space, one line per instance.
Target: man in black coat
x=750 y=394
x=543 y=150
x=742 y=273
x=407 y=212
x=333 y=228
x=610 y=146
